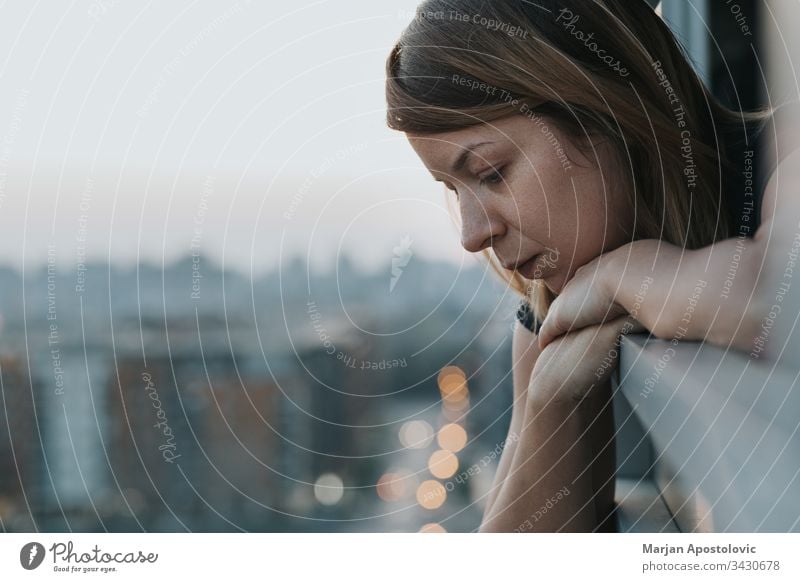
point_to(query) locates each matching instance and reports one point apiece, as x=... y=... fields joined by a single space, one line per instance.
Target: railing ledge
x=723 y=431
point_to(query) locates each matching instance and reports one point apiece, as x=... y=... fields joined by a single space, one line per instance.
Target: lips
x=512 y=266
x=528 y=268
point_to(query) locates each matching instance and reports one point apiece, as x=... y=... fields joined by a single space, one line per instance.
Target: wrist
x=628 y=282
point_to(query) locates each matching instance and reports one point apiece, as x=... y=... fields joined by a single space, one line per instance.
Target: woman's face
x=527 y=192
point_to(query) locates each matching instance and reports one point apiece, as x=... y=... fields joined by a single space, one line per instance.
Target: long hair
x=608 y=68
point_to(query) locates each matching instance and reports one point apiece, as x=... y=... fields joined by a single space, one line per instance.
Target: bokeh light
x=416 y=434
x=395 y=485
x=453 y=384
x=329 y=489
x=432 y=528
x=452 y=437
x=443 y=464
x=455 y=410
x=431 y=494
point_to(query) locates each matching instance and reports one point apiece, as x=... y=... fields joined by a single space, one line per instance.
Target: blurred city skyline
x=149 y=399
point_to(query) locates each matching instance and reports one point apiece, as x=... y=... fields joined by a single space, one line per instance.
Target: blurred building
x=21 y=462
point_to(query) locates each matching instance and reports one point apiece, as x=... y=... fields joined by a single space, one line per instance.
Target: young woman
x=613 y=190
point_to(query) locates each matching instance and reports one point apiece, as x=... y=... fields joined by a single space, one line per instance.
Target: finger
x=547 y=333
x=554 y=326
x=546 y=338
x=631 y=325
x=543 y=340
x=551 y=330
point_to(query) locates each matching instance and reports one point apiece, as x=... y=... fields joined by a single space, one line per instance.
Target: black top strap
x=527 y=318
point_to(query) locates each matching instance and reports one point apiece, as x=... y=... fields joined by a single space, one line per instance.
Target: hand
x=570 y=366
x=591 y=295
x=588 y=298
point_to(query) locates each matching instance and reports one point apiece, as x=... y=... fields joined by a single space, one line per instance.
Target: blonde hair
x=643 y=95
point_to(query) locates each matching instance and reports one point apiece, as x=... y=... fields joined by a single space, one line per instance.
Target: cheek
x=598 y=211
x=573 y=221
x=546 y=204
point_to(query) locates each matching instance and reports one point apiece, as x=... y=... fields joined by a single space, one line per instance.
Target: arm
x=524 y=353
x=711 y=294
x=730 y=309
x=705 y=294
x=551 y=483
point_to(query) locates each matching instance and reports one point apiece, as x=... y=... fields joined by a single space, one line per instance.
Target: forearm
x=524 y=353
x=603 y=455
x=704 y=294
x=510 y=446
x=547 y=487
x=558 y=477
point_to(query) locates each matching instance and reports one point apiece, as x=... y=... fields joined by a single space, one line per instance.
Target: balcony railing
x=711 y=439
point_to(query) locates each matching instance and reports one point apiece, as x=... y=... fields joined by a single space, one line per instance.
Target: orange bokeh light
x=452 y=437
x=443 y=464
x=431 y=494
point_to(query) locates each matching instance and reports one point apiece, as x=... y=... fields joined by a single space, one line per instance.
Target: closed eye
x=493 y=178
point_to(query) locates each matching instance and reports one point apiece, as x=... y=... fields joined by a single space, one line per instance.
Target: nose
x=479 y=225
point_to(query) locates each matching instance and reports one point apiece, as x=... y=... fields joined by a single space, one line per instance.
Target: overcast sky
x=256 y=129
